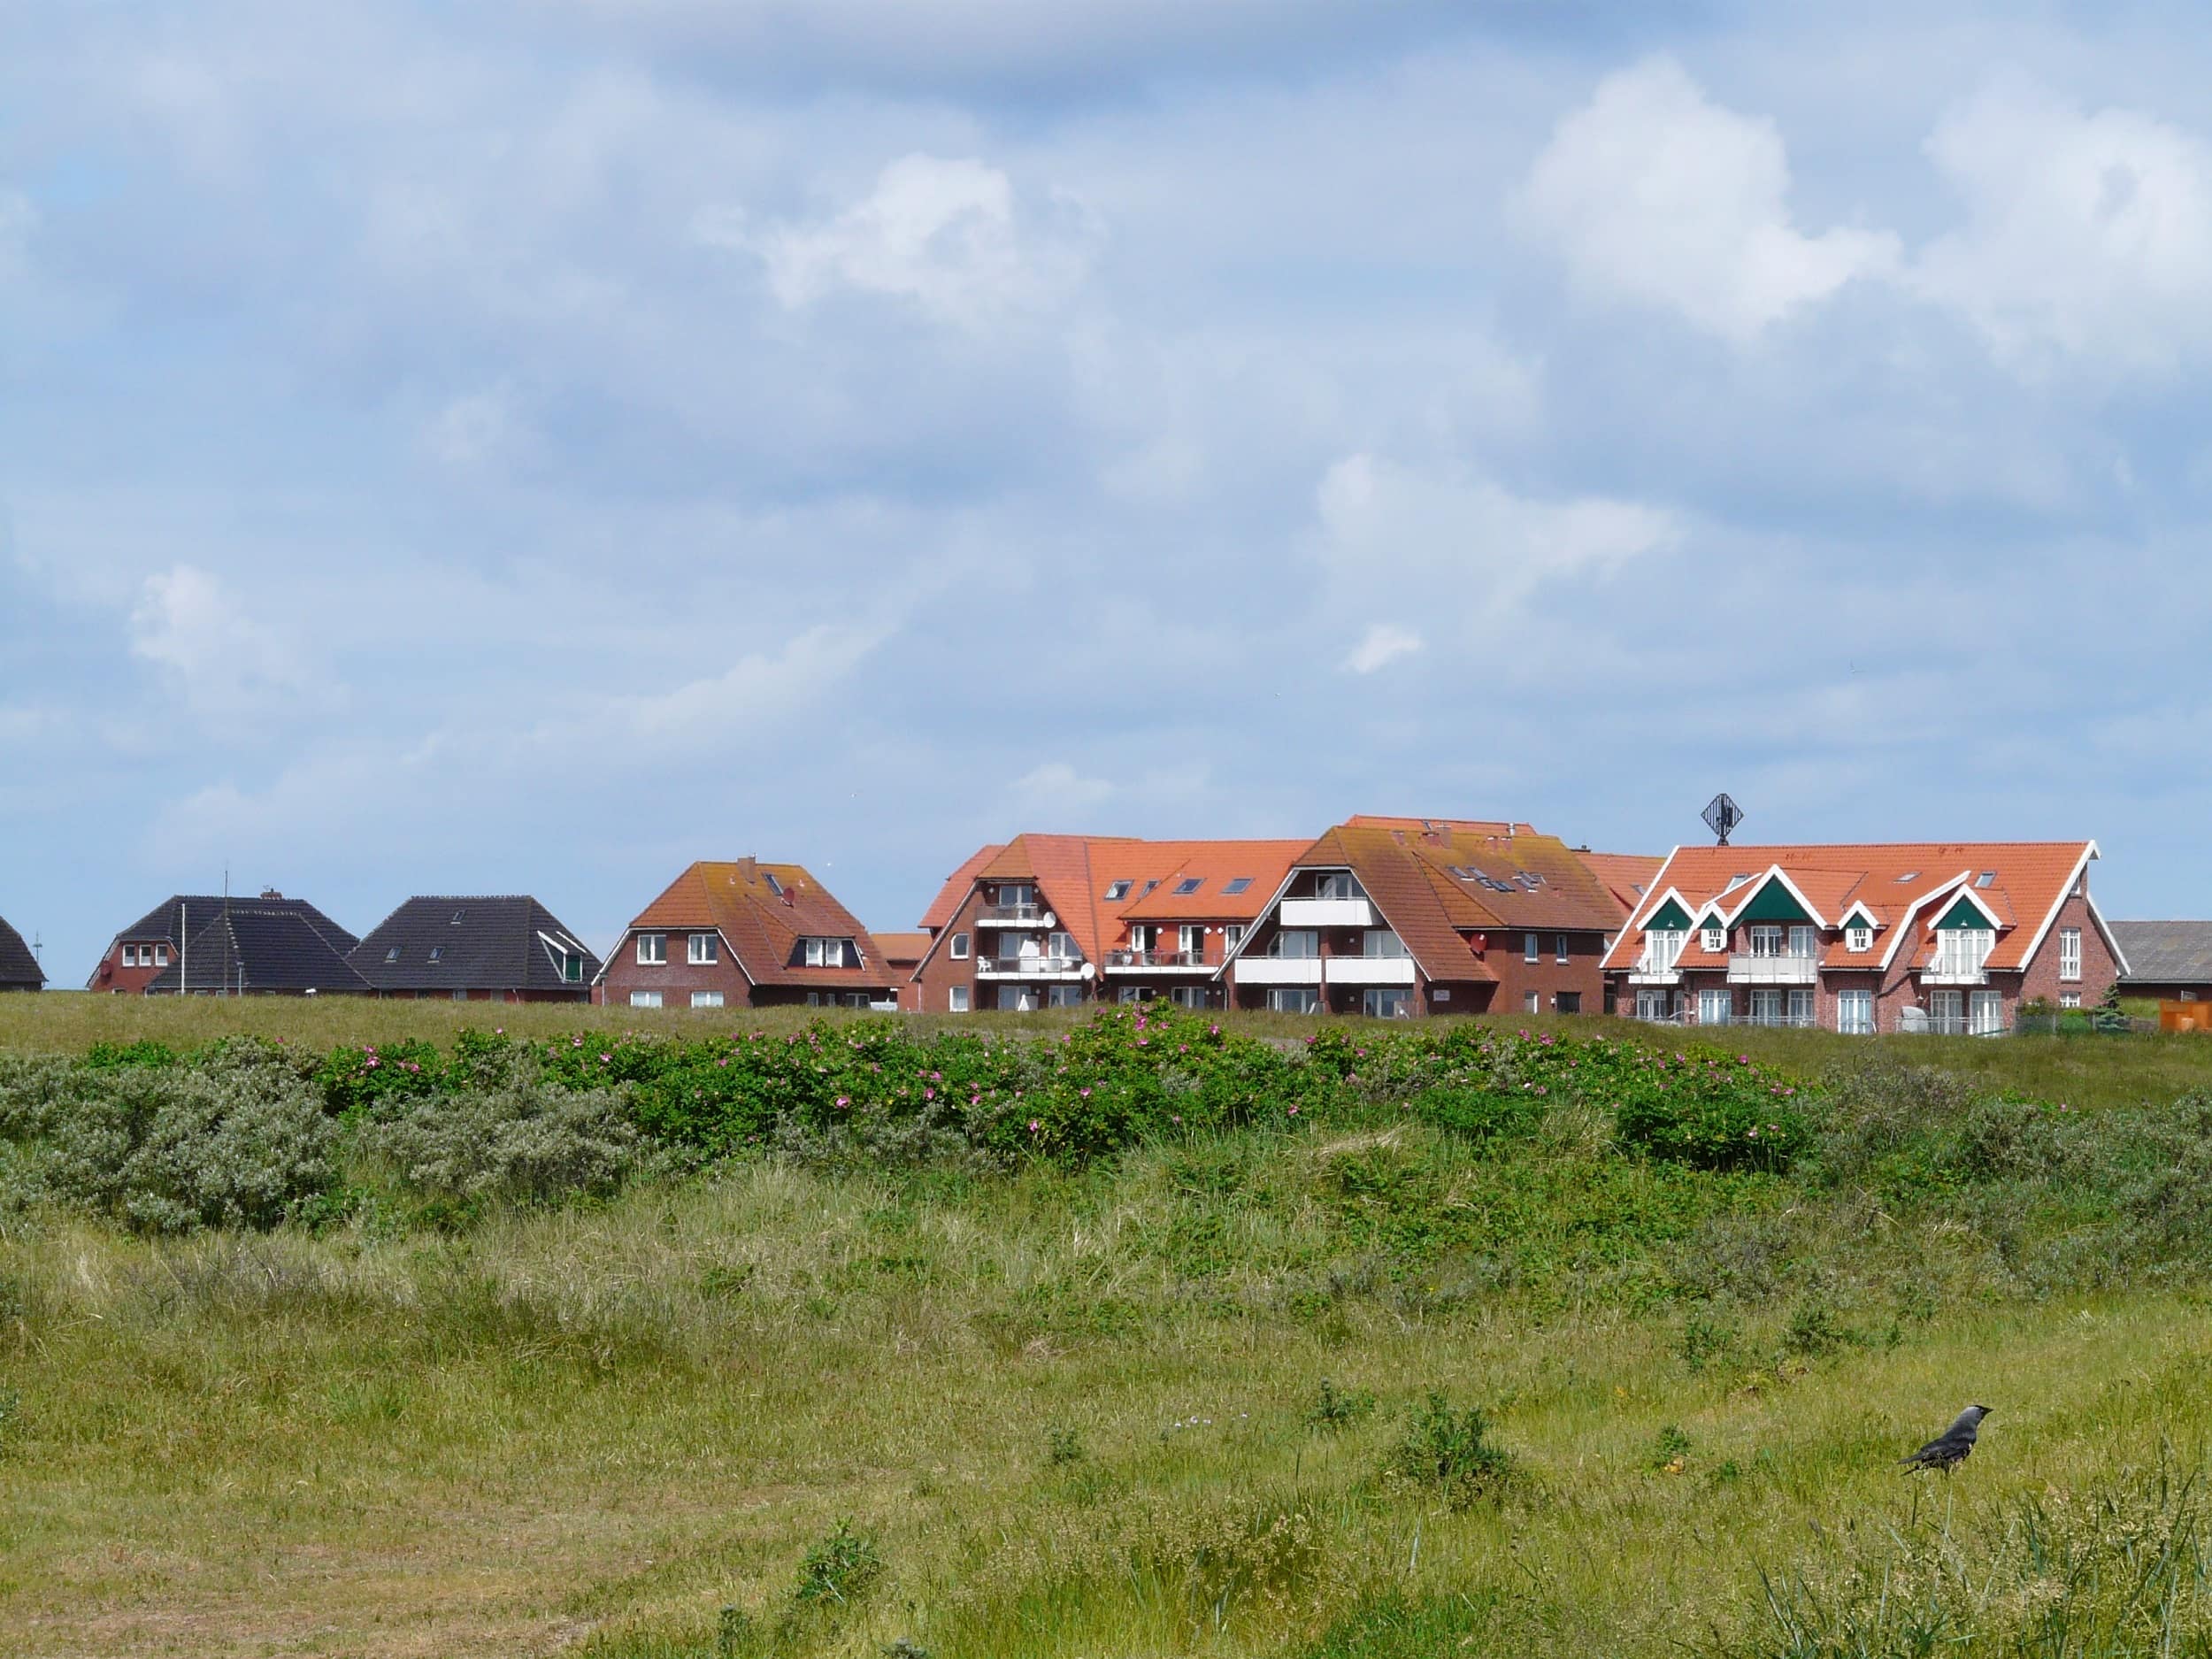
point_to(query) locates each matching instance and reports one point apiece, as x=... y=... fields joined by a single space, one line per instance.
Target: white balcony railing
x=1013 y=916
x=1654 y=971
x=1327 y=913
x=1038 y=967
x=1914 y=1022
x=1278 y=970
x=1154 y=961
x=1954 y=972
x=1745 y=968
x=1370 y=971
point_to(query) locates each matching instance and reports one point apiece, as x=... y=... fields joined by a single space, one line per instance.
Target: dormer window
x=1716 y=938
x=1662 y=948
x=1858 y=939
x=1336 y=884
x=825 y=953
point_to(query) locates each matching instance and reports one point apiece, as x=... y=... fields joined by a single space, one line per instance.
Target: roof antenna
x=1721 y=816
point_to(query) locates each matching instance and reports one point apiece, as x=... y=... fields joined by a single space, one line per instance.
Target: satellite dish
x=1089 y=970
x=1051 y=920
x=1721 y=816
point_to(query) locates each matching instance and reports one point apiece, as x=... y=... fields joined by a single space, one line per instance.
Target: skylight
x=1147 y=887
x=1910 y=875
x=774 y=885
x=1190 y=885
x=1987 y=878
x=436 y=951
x=1118 y=890
x=392 y=955
x=457 y=915
x=1237 y=884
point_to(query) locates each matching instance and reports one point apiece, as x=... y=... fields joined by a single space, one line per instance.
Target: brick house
x=903 y=953
x=509 y=948
x=1052 y=921
x=1401 y=916
x=2172 y=961
x=19 y=968
x=746 y=934
x=1948 y=937
x=144 y=954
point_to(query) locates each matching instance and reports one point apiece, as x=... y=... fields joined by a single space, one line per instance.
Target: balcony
x=1327 y=913
x=1278 y=970
x=1942 y=973
x=1013 y=916
x=1781 y=970
x=1914 y=1022
x=1038 y=967
x=1785 y=1022
x=1157 y=962
x=1370 y=971
x=1651 y=970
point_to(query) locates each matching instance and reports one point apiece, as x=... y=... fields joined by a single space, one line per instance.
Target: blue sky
x=527 y=447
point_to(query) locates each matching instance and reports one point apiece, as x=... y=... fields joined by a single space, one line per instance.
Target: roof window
x=1190 y=885
x=774 y=885
x=1237 y=884
x=1116 y=891
x=436 y=952
x=1910 y=875
x=392 y=955
x=1147 y=887
x=457 y=915
x=1987 y=878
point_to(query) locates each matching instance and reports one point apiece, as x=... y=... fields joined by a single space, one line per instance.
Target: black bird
x=1954 y=1446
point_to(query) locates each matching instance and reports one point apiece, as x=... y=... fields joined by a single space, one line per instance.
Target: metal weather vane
x=1721 y=816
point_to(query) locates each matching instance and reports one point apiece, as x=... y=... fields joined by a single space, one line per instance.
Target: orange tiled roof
x=761 y=910
x=901 y=949
x=947 y=902
x=1894 y=882
x=1627 y=876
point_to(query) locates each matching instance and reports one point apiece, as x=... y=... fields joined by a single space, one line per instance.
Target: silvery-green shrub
x=522 y=1143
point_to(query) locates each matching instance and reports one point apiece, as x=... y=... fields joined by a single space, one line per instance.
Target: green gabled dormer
x=1966 y=911
x=1774 y=902
x=1670 y=918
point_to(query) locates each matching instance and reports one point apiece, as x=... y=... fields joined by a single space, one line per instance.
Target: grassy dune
x=1080 y=1413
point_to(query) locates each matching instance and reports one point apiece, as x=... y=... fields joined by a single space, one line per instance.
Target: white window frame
x=1858 y=939
x=1336 y=884
x=706 y=999
x=1985 y=1013
x=1532 y=950
x=1190 y=938
x=130 y=955
x=1716 y=938
x=1662 y=948
x=1310 y=938
x=645 y=999
x=161 y=956
x=1293 y=999
x=704 y=949
x=1379 y=1001
x=957 y=1000
x=1855 y=1012
x=1232 y=936
x=818 y=949
x=1803 y=942
x=2069 y=956
x=1559 y=948
x=1532 y=1002
x=960 y=947
x=1965 y=949
x=652 y=952
x=1767 y=939
x=1716 y=1000
x=1382 y=944
x=2072 y=999
x=1187 y=995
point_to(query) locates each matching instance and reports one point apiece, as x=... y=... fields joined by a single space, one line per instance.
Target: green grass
x=1160 y=1404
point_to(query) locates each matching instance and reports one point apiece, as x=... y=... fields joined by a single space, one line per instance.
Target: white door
x=1985 y=1013
x=1714 y=1006
x=1854 y=1013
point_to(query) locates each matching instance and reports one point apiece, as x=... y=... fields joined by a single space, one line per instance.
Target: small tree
x=2108 y=1015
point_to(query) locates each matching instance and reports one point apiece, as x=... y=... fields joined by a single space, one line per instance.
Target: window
x=1188 y=996
x=1945 y=1011
x=161 y=956
x=1854 y=1013
x=957 y=1000
x=1802 y=938
x=460 y=993
x=1716 y=938
x=1531 y=947
x=1963 y=951
x=1859 y=939
x=1716 y=1007
x=1293 y=999
x=1442 y=994
x=1800 y=1008
x=1568 y=1002
x=960 y=947
x=1232 y=936
x=652 y=951
x=457 y=915
x=645 y=999
x=2186 y=997
x=437 y=953
x=1237 y=884
x=1147 y=887
x=2072 y=999
x=571 y=967
x=1381 y=941
x=1533 y=1002
x=1135 y=994
x=1188 y=885
x=1062 y=947
x=392 y=955
x=1017 y=894
x=706 y=999
x=130 y=955
x=1295 y=944
x=1662 y=948
x=774 y=885
x=1379 y=1003
x=1190 y=938
x=1985 y=1013
x=1337 y=884
x=705 y=947
x=2070 y=953
x=1116 y=891
x=1144 y=937
x=1766 y=939
x=1988 y=878
x=814 y=999
x=1766 y=1007
x=1559 y=949
x=1655 y=1004
x=825 y=953
x=1063 y=997
x=1910 y=875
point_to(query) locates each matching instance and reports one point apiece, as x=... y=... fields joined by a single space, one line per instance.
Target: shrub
x=522 y=1143
x=1451 y=1452
x=1335 y=1408
x=1480 y=1114
x=838 y=1567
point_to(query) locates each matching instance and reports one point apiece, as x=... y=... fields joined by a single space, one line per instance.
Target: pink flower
x=1294 y=1112
x=1086 y=1094
x=575 y=1043
x=844 y=1099
x=1034 y=1126
x=929 y=1094
x=1213 y=1031
x=603 y=1058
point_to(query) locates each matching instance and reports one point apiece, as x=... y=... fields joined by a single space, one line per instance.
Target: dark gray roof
x=252 y=946
x=2166 y=952
x=19 y=968
x=169 y=919
x=510 y=942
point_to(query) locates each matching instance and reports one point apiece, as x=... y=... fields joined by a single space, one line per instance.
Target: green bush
x=519 y=1144
x=838 y=1569
x=1451 y=1453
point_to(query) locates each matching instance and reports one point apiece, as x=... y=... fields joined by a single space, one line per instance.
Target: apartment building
x=1394 y=917
x=1053 y=921
x=1923 y=936
x=743 y=933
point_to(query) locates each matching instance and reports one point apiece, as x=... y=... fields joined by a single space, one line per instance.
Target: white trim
x=2081 y=868
x=1634 y=924
x=1904 y=928
x=2112 y=943
x=1230 y=958
x=1859 y=907
x=1995 y=921
x=1757 y=884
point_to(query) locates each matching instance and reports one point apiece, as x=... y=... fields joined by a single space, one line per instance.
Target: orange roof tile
x=955 y=889
x=1627 y=876
x=902 y=950
x=761 y=910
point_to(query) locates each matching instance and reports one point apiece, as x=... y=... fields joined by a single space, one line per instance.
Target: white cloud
x=944 y=234
x=1479 y=540
x=223 y=663
x=1653 y=194
x=1057 y=792
x=1382 y=644
x=753 y=695
x=2087 y=235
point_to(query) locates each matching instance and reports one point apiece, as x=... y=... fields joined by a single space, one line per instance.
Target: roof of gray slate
x=505 y=942
x=18 y=966
x=250 y=946
x=2166 y=952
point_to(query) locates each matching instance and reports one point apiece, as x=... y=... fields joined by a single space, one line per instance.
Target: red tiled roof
x=902 y=949
x=948 y=897
x=1627 y=876
x=762 y=928
x=1891 y=880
